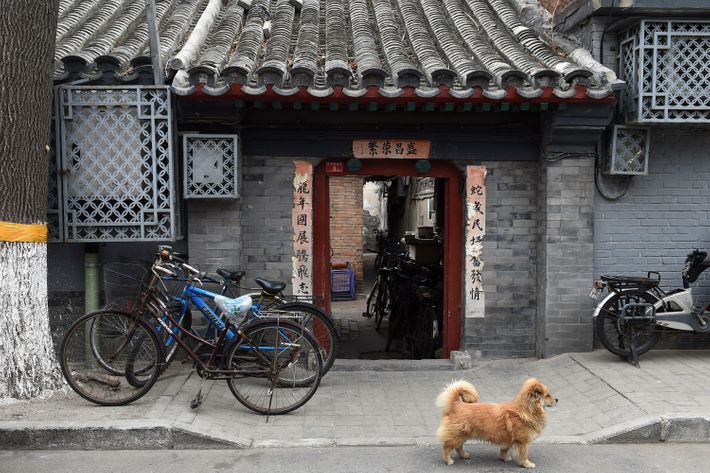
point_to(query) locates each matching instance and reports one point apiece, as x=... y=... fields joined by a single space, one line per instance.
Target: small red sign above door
x=333 y=168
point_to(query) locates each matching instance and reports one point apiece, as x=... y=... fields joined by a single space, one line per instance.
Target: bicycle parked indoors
x=113 y=357
x=636 y=311
x=409 y=297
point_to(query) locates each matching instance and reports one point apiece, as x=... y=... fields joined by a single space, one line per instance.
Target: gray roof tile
x=321 y=46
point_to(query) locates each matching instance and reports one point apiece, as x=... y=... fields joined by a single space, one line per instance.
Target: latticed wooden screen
x=629 y=150
x=211 y=166
x=666 y=65
x=117 y=164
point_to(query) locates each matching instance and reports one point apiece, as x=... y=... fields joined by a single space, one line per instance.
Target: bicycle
x=379 y=301
x=630 y=318
x=268 y=302
x=272 y=366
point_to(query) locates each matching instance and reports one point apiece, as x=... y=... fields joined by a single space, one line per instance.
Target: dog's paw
x=449 y=462
x=528 y=464
x=464 y=455
x=505 y=457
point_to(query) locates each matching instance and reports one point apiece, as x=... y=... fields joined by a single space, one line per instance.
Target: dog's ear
x=537 y=389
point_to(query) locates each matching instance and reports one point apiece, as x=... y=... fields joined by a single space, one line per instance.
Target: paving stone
x=601 y=399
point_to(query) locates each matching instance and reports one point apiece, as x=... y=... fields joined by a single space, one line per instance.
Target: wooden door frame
x=453 y=231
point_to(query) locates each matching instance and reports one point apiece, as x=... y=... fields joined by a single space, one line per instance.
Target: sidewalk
x=366 y=403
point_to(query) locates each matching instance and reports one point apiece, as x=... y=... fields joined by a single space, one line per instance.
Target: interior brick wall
x=346 y=222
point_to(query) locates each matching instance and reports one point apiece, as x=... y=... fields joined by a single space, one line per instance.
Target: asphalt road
x=648 y=458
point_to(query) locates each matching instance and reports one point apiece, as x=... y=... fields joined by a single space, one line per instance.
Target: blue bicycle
x=269 y=302
x=271 y=365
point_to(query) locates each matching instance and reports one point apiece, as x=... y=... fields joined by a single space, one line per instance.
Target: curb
x=128 y=435
x=143 y=435
x=655 y=428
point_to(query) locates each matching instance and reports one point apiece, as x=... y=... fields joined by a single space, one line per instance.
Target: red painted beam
x=408 y=95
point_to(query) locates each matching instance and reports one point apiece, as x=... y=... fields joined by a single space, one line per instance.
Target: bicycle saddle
x=235 y=276
x=272 y=287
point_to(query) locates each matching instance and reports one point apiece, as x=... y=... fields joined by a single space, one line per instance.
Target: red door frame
x=453 y=231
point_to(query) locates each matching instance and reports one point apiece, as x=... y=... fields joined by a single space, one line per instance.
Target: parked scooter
x=636 y=310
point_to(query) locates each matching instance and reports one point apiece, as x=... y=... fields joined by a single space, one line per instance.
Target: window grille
x=666 y=65
x=211 y=166
x=117 y=169
x=629 y=150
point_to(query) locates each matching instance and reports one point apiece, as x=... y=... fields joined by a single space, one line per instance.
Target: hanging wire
x=598 y=172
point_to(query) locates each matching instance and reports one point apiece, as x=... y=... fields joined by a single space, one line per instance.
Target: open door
x=453 y=231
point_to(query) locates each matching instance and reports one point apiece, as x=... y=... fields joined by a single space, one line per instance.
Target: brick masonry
x=253 y=234
x=662 y=217
x=509 y=252
x=565 y=271
x=346 y=222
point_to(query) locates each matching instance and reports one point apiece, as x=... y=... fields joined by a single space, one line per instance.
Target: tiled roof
x=437 y=47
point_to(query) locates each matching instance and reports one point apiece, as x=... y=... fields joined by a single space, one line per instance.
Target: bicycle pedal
x=197 y=402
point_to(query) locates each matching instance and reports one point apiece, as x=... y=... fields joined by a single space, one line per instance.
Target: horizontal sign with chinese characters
x=391 y=149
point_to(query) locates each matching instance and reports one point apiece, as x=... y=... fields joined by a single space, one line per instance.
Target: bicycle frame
x=227 y=332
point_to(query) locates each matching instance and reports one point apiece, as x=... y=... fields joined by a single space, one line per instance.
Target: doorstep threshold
x=342 y=364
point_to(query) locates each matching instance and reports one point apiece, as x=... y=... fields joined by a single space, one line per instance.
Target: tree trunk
x=27 y=361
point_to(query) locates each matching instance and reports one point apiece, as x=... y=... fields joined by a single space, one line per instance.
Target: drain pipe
x=91 y=278
x=154 y=42
x=91 y=295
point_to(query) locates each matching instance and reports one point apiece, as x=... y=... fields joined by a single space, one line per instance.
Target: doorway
x=447 y=181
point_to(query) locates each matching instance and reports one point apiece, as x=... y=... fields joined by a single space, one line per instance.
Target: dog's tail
x=455 y=392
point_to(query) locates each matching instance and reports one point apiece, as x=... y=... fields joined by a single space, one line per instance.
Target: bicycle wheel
x=384 y=303
x=320 y=325
x=608 y=329
x=278 y=366
x=371 y=304
x=114 y=336
x=99 y=331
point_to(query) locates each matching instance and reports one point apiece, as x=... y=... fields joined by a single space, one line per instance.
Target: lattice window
x=666 y=65
x=117 y=181
x=211 y=166
x=629 y=150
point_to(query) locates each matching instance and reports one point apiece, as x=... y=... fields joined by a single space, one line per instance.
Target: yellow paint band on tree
x=25 y=233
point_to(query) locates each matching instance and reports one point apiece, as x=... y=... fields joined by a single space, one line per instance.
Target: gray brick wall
x=565 y=268
x=509 y=250
x=254 y=233
x=266 y=207
x=663 y=216
x=214 y=234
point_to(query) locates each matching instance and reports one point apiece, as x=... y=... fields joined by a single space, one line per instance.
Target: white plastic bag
x=235 y=309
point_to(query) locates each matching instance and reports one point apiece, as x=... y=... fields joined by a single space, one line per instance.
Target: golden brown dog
x=509 y=425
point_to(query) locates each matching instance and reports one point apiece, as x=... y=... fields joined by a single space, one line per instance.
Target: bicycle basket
x=122 y=284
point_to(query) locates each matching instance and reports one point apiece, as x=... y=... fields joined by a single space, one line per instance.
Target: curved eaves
x=274 y=68
x=217 y=45
x=241 y=65
x=403 y=71
x=436 y=70
x=305 y=63
x=369 y=69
